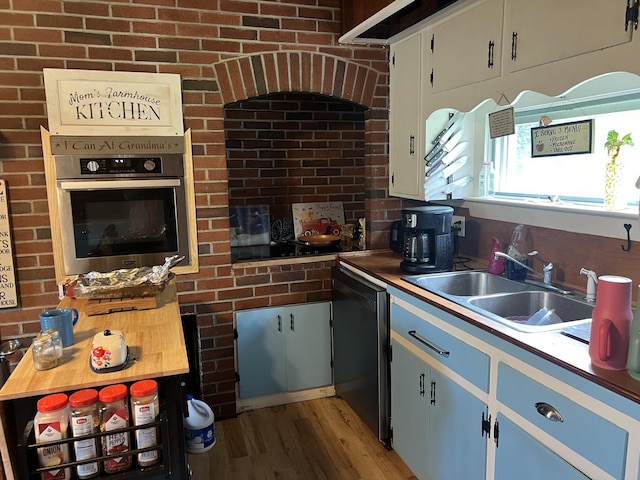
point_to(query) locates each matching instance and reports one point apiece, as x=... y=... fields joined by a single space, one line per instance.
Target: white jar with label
x=114 y=418
x=85 y=420
x=51 y=423
x=145 y=408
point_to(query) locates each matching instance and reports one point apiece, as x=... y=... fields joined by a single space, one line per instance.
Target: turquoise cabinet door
x=457 y=448
x=261 y=352
x=308 y=345
x=521 y=456
x=410 y=380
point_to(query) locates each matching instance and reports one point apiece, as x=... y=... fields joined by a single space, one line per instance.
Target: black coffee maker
x=428 y=245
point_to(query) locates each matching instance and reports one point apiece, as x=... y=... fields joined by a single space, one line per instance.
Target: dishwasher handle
x=438 y=350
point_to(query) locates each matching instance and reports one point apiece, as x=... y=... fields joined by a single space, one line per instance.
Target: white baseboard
x=247 y=404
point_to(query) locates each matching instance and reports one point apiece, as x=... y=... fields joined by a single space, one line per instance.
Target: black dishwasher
x=361 y=348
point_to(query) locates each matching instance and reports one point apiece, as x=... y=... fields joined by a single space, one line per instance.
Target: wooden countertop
x=384 y=265
x=156 y=349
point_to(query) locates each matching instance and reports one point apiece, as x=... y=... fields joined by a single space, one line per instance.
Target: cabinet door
x=520 y=456
x=261 y=352
x=410 y=382
x=466 y=48
x=308 y=345
x=545 y=31
x=457 y=446
x=406 y=162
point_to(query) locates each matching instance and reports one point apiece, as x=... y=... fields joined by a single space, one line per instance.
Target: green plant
x=614 y=143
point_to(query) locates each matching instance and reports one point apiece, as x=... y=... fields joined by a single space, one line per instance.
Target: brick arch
x=266 y=73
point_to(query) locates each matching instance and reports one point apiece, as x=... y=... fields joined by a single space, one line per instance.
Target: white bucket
x=199 y=429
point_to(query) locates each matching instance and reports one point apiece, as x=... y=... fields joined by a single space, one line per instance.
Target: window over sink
x=563 y=192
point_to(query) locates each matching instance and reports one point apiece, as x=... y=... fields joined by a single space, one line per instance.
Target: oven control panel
x=119 y=165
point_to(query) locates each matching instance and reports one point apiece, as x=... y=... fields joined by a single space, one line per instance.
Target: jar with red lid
x=114 y=417
x=51 y=423
x=145 y=408
x=85 y=420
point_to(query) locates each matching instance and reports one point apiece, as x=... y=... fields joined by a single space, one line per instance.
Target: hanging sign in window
x=562 y=139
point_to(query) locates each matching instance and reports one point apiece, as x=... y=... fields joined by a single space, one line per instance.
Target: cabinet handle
x=292 y=328
x=431 y=78
x=422 y=384
x=411 y=144
x=514 y=45
x=279 y=323
x=490 y=56
x=433 y=393
x=438 y=350
x=549 y=412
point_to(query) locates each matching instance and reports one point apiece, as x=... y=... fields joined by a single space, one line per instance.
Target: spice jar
x=44 y=353
x=114 y=416
x=51 y=423
x=56 y=340
x=85 y=420
x=145 y=408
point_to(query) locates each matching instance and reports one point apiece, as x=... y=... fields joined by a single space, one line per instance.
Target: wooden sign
x=562 y=139
x=91 y=102
x=8 y=295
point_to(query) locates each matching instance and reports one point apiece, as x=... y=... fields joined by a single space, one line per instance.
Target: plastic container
x=611 y=323
x=51 y=423
x=145 y=408
x=85 y=420
x=114 y=416
x=199 y=428
x=517 y=249
x=486 y=179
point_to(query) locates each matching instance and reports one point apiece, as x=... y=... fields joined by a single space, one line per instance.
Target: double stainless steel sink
x=518 y=305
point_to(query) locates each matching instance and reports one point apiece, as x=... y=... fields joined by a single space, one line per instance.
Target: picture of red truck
x=321 y=226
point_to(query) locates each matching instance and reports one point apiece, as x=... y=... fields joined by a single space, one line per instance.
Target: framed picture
x=249 y=225
x=562 y=139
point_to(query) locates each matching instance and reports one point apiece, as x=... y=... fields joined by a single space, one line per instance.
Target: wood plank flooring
x=319 y=439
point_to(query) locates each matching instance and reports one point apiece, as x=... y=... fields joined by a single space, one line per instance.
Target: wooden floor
x=317 y=439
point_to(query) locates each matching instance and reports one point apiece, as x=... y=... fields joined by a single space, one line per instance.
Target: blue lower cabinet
x=520 y=456
x=410 y=381
x=437 y=425
x=283 y=349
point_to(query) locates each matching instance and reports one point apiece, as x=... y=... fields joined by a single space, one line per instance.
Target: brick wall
x=290 y=148
x=225 y=51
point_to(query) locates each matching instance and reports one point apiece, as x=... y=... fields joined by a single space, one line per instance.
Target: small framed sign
x=562 y=139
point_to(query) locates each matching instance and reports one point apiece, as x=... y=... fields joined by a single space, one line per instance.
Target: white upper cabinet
x=406 y=136
x=545 y=31
x=466 y=47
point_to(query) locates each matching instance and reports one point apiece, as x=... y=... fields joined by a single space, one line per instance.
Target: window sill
x=560 y=216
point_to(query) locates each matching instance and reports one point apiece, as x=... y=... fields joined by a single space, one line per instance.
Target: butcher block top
x=154 y=337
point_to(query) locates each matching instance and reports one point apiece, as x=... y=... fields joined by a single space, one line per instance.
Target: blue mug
x=62 y=320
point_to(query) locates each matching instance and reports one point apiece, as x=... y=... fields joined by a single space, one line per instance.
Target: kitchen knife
x=451 y=126
x=458 y=184
x=454 y=166
x=441 y=151
x=441 y=144
x=446 y=159
x=437 y=189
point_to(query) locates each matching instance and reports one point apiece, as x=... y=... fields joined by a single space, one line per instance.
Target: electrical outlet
x=459 y=222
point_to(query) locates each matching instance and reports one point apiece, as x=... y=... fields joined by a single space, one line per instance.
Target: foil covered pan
x=124 y=283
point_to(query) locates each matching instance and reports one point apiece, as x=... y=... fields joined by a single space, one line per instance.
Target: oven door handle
x=119 y=184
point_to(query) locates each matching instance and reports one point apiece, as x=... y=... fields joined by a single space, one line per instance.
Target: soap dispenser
x=496 y=265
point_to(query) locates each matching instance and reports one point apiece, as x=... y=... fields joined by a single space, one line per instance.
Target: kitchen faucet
x=545 y=275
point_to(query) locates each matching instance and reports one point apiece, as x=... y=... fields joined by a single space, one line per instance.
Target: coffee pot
x=427 y=241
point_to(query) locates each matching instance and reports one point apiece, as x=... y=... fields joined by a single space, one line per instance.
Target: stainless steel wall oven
x=121 y=211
